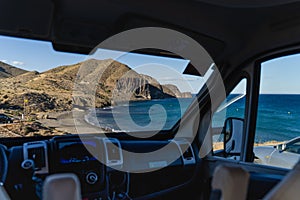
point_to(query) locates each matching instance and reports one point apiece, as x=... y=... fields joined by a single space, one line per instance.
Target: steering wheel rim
x=3 y=163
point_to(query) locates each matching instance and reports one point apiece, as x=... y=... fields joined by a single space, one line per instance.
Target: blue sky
x=34 y=55
x=280 y=76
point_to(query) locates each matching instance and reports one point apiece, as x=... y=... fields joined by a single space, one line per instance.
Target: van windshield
x=112 y=91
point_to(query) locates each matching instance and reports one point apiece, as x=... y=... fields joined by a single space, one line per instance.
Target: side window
x=227 y=123
x=277 y=141
x=293 y=147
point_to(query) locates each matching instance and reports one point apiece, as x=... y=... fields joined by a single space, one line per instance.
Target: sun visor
x=29 y=18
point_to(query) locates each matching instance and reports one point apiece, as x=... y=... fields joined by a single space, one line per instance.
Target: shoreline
x=220 y=145
x=65 y=122
x=71 y=122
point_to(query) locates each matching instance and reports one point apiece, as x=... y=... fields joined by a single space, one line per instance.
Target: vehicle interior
x=181 y=161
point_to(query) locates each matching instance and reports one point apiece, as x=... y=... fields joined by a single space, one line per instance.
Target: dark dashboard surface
x=102 y=165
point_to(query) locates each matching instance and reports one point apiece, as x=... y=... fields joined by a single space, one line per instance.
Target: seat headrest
x=62 y=187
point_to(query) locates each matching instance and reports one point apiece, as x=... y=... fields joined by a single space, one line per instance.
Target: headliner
x=232 y=31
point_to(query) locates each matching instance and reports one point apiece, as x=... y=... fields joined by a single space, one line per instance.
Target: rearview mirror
x=233 y=136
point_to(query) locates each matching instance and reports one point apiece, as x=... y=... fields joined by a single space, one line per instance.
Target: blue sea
x=278 y=115
x=138 y=115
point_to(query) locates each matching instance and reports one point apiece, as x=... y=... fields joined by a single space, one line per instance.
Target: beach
x=220 y=145
x=51 y=124
x=70 y=122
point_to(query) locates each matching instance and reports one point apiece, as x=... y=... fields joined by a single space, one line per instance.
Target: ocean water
x=278 y=116
x=160 y=114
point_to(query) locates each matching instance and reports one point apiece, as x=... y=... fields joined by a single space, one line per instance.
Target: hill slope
x=54 y=89
x=7 y=70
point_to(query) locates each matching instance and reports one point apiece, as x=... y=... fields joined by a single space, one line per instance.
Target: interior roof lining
x=247 y=3
x=231 y=40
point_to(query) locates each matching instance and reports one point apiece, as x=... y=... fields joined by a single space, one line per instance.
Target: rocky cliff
x=142 y=87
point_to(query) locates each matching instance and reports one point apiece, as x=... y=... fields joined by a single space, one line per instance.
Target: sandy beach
x=220 y=145
x=51 y=124
x=70 y=122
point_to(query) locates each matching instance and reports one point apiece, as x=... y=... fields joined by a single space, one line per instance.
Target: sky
x=279 y=76
x=34 y=55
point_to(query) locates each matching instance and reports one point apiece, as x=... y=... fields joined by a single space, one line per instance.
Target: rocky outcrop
x=174 y=91
x=142 y=87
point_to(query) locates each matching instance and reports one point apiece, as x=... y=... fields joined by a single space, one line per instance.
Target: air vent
x=113 y=152
x=38 y=156
x=37 y=151
x=186 y=151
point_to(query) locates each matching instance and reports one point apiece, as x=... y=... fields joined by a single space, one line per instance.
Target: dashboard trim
x=189 y=160
x=37 y=144
x=113 y=162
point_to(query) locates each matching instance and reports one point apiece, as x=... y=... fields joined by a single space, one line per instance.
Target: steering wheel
x=3 y=163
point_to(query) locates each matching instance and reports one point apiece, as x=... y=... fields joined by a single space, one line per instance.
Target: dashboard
x=103 y=165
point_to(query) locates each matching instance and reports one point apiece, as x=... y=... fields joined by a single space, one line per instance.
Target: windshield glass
x=130 y=92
